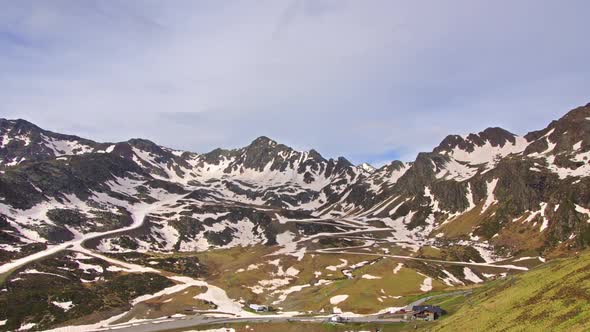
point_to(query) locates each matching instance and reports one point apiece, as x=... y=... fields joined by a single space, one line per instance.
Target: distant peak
x=141 y=142
x=495 y=136
x=496 y=131
x=366 y=167
x=145 y=145
x=573 y=126
x=577 y=114
x=263 y=140
x=18 y=123
x=396 y=164
x=343 y=161
x=314 y=154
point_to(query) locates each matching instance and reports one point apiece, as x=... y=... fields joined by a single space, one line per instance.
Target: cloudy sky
x=369 y=80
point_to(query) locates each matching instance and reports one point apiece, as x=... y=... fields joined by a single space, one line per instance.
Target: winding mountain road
x=138 y=219
x=138 y=214
x=194 y=321
x=173 y=323
x=343 y=252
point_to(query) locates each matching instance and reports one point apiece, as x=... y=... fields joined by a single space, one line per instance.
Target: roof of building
x=257 y=306
x=430 y=308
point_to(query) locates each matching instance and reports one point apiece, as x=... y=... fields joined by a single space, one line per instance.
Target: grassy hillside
x=554 y=296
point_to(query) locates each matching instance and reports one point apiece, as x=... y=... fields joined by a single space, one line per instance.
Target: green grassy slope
x=552 y=297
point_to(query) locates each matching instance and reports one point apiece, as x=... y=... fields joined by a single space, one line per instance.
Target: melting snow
x=545 y=220
x=26 y=326
x=114 y=268
x=336 y=267
x=469 y=275
x=284 y=293
x=490 y=198
x=524 y=259
x=63 y=147
x=291 y=271
x=488 y=153
x=456 y=170
x=86 y=267
x=451 y=279
x=426 y=284
x=64 y=305
x=338 y=298
x=33 y=271
x=583 y=210
x=469 y=198
x=433 y=202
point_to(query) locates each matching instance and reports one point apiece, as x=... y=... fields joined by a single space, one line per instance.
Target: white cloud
x=353 y=78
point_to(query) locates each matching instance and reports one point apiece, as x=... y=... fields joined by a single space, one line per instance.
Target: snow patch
x=336 y=267
x=64 y=305
x=583 y=210
x=469 y=275
x=426 y=284
x=451 y=280
x=338 y=299
x=490 y=198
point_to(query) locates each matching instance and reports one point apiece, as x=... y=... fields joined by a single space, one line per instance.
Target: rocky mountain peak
x=344 y=162
x=567 y=134
x=395 y=165
x=315 y=155
x=21 y=141
x=262 y=141
x=147 y=145
x=495 y=136
x=18 y=125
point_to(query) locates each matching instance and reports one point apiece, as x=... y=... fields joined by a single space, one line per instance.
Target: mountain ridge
x=425 y=196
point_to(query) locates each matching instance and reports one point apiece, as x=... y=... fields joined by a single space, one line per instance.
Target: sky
x=369 y=80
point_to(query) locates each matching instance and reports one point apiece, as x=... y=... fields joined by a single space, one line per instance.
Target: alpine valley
x=133 y=235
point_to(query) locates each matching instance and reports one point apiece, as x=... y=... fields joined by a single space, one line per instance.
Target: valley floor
x=358 y=273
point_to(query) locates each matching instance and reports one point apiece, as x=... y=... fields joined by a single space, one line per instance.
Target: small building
x=337 y=319
x=405 y=314
x=426 y=312
x=258 y=307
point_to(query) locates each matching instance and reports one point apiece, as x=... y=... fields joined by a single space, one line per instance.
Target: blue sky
x=368 y=80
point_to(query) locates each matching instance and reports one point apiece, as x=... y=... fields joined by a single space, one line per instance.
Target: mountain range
x=120 y=218
x=513 y=193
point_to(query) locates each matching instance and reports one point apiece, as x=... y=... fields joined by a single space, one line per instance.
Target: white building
x=258 y=307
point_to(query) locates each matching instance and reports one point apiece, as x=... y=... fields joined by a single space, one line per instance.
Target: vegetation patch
x=554 y=296
x=56 y=291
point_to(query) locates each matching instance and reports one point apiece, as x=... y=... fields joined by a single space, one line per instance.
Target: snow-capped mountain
x=23 y=141
x=515 y=193
x=57 y=187
x=366 y=167
x=506 y=192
